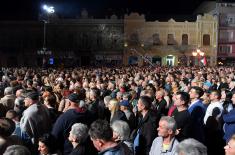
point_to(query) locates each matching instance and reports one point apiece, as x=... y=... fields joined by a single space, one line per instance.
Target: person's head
x=8 y=91
x=231 y=84
x=94 y=93
x=167 y=127
x=31 y=98
x=191 y=147
x=7 y=127
x=50 y=100
x=11 y=114
x=181 y=99
x=124 y=105
x=196 y=92
x=100 y=133
x=215 y=95
x=106 y=100
x=230 y=147
x=19 y=92
x=159 y=94
x=19 y=105
x=78 y=133
x=226 y=95
x=73 y=100
x=46 y=144
x=144 y=103
x=121 y=130
x=17 y=150
x=113 y=105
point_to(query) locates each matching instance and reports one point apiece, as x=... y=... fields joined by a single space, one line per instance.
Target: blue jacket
x=120 y=149
x=229 y=124
x=197 y=112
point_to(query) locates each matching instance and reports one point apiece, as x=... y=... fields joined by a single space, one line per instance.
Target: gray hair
x=8 y=91
x=80 y=131
x=171 y=123
x=107 y=99
x=17 y=150
x=191 y=147
x=122 y=129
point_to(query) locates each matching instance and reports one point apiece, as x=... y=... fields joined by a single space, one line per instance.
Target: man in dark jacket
x=95 y=108
x=74 y=114
x=197 y=112
x=146 y=126
x=101 y=135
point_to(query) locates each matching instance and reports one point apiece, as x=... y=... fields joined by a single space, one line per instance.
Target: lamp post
x=48 y=10
x=198 y=53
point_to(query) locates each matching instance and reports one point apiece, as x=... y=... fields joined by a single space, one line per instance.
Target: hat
x=74 y=98
x=32 y=95
x=124 y=103
x=207 y=83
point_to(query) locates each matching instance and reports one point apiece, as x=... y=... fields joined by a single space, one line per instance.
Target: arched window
x=206 y=40
x=184 y=39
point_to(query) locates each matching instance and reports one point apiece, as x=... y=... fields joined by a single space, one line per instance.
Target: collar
x=170 y=148
x=112 y=149
x=193 y=103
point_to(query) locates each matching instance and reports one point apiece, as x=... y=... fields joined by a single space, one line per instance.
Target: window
x=170 y=39
x=206 y=40
x=225 y=49
x=156 y=40
x=184 y=39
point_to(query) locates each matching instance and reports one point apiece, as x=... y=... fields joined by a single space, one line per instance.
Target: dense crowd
x=117 y=111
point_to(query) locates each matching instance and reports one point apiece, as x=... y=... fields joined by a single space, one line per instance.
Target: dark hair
x=184 y=97
x=51 y=100
x=96 y=92
x=100 y=129
x=198 y=90
x=49 y=141
x=11 y=114
x=147 y=101
x=217 y=93
x=7 y=127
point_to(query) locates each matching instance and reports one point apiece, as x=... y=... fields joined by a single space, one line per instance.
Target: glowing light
x=48 y=9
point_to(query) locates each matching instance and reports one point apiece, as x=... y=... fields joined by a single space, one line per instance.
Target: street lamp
x=48 y=10
x=198 y=53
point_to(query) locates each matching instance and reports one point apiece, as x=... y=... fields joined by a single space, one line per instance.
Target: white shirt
x=210 y=108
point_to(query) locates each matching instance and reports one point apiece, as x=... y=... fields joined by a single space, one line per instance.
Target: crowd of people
x=117 y=111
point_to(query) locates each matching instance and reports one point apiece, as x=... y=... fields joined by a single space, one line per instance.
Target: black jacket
x=118 y=115
x=148 y=131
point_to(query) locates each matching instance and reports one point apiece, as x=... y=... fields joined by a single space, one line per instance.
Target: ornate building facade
x=169 y=43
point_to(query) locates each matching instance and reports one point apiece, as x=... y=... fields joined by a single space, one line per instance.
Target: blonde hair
x=115 y=106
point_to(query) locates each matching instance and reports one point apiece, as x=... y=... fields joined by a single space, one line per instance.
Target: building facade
x=170 y=43
x=226 y=41
x=69 y=42
x=86 y=41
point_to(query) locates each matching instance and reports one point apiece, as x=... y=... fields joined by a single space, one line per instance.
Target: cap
x=124 y=103
x=32 y=95
x=74 y=97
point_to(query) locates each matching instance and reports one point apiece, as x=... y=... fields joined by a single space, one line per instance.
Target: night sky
x=30 y=9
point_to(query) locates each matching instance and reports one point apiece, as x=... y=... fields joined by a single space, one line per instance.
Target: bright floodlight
x=44 y=7
x=48 y=9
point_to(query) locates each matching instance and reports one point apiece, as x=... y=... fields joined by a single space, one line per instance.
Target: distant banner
x=108 y=57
